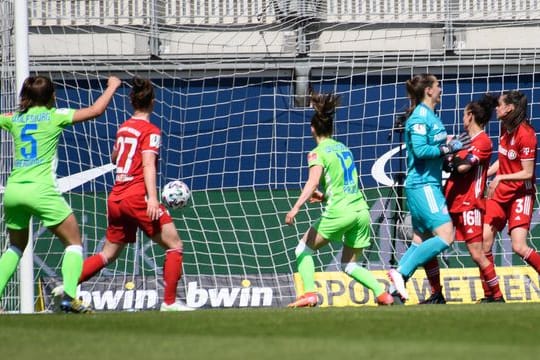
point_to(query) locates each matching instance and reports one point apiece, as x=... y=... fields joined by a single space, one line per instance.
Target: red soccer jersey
x=134 y=137
x=515 y=147
x=466 y=191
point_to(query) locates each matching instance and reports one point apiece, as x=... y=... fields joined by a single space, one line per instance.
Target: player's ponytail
x=519 y=114
x=36 y=91
x=482 y=109
x=416 y=89
x=325 y=108
x=142 y=94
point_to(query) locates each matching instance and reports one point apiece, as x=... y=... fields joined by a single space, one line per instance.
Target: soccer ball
x=175 y=194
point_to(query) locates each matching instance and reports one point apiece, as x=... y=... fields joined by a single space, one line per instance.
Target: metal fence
x=245 y=12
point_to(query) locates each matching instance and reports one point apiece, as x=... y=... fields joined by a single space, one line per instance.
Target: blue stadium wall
x=262 y=125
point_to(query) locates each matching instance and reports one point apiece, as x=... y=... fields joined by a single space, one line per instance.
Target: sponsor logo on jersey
x=312 y=156
x=62 y=111
x=419 y=129
x=155 y=140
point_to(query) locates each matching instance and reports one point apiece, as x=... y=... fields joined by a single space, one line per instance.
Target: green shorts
x=23 y=200
x=353 y=228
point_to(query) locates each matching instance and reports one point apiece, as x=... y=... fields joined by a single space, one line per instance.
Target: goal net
x=232 y=79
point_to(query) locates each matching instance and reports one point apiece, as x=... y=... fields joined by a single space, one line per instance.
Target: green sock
x=366 y=278
x=8 y=264
x=72 y=265
x=306 y=268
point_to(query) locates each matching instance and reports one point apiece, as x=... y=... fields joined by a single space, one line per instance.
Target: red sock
x=91 y=266
x=172 y=271
x=433 y=274
x=485 y=286
x=491 y=280
x=532 y=258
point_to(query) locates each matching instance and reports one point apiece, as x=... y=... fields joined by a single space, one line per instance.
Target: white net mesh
x=232 y=78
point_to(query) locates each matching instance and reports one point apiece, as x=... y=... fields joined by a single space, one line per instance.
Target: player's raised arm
x=99 y=106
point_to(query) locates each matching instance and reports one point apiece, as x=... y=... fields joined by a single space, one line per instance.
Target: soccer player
x=426 y=143
x=464 y=192
x=346 y=217
x=133 y=202
x=31 y=188
x=511 y=193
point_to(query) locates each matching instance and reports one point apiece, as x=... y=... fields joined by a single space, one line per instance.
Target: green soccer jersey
x=340 y=178
x=35 y=136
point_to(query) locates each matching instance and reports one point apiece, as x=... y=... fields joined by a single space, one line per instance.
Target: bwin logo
x=120 y=299
x=245 y=296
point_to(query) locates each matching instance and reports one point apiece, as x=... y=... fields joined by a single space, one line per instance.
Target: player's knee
x=478 y=257
x=302 y=248
x=349 y=267
x=520 y=249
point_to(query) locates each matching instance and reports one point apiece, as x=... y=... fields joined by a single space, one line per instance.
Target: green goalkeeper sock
x=8 y=264
x=364 y=277
x=306 y=267
x=72 y=265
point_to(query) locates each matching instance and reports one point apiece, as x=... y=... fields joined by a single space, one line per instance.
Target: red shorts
x=517 y=212
x=469 y=225
x=127 y=215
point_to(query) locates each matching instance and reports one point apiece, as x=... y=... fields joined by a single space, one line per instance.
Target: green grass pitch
x=459 y=332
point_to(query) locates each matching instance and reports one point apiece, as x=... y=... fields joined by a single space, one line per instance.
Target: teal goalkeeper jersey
x=424 y=133
x=35 y=136
x=340 y=178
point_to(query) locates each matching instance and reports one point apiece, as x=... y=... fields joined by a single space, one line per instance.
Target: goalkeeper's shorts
x=428 y=208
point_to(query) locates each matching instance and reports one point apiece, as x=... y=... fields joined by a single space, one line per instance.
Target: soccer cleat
x=57 y=297
x=175 y=306
x=398 y=300
x=435 y=298
x=399 y=283
x=491 y=299
x=75 y=306
x=385 y=299
x=307 y=300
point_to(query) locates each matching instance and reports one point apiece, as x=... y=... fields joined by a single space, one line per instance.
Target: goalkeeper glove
x=457 y=143
x=448 y=164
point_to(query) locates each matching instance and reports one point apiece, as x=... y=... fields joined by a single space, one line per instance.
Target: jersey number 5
x=29 y=138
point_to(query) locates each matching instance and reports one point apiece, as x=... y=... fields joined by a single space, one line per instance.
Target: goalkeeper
x=346 y=217
x=31 y=188
x=426 y=143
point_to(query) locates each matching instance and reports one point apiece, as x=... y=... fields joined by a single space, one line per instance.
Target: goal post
x=231 y=80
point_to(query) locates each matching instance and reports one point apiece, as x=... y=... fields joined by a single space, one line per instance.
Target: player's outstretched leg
x=306 y=269
x=366 y=278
